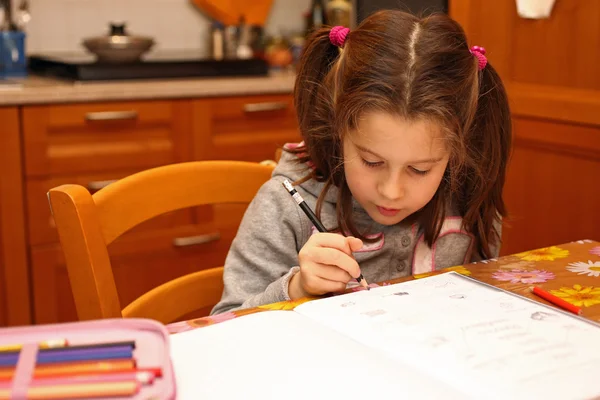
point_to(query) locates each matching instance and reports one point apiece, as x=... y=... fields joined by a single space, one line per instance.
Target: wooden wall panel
x=551 y=68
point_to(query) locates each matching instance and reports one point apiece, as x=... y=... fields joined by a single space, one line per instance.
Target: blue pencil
x=66 y=355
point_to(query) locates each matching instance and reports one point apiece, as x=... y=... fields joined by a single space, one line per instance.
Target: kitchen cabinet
x=14 y=271
x=553 y=87
x=95 y=143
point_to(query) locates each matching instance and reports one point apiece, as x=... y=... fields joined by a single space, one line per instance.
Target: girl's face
x=393 y=166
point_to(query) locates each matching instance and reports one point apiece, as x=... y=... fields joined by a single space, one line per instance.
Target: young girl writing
x=407 y=134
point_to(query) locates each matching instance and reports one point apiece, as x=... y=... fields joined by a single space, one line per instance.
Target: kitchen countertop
x=39 y=90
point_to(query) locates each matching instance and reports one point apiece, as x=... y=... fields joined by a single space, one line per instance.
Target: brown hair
x=414 y=68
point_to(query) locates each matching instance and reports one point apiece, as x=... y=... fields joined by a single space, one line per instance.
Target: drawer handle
x=111 y=115
x=94 y=186
x=263 y=107
x=195 y=240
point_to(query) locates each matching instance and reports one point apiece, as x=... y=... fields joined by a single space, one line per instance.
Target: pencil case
x=149 y=349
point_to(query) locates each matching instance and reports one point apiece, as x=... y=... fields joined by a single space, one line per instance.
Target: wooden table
x=570 y=271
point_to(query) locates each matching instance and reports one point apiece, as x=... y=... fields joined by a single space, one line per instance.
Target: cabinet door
x=551 y=70
x=140 y=262
x=14 y=272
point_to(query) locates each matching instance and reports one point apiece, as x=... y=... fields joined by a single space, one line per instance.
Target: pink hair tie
x=479 y=52
x=337 y=35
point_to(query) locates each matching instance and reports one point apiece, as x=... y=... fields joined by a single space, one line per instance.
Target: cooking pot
x=118 y=46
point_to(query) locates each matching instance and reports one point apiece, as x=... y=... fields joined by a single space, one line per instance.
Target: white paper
x=481 y=340
x=535 y=9
x=282 y=355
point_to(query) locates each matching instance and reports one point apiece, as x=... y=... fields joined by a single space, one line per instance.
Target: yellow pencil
x=79 y=391
x=47 y=344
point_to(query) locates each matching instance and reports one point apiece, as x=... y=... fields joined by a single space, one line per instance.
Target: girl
x=407 y=134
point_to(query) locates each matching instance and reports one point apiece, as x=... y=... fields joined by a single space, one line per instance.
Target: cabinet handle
x=111 y=115
x=263 y=107
x=195 y=240
x=94 y=186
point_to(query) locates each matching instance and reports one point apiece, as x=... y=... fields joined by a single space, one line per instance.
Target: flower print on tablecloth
x=595 y=251
x=581 y=296
x=544 y=254
x=523 y=276
x=590 y=268
x=461 y=269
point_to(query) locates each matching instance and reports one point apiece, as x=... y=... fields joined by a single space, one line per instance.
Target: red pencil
x=557 y=301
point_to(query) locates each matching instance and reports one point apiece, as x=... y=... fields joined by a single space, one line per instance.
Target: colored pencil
x=47 y=344
x=315 y=221
x=66 y=355
x=80 y=390
x=557 y=301
x=144 y=378
x=74 y=368
x=155 y=372
x=75 y=347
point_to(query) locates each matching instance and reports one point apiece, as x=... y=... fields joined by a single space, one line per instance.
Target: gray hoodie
x=264 y=254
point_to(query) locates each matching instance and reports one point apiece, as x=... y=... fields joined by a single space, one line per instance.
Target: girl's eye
x=418 y=171
x=371 y=164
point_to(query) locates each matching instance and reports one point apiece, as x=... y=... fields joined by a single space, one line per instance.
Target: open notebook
x=446 y=336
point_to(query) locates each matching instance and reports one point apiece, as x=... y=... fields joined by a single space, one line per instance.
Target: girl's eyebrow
x=423 y=161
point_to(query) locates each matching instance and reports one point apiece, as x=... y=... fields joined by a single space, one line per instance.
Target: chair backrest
x=88 y=223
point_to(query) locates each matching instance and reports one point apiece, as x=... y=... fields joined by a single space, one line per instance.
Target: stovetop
x=154 y=65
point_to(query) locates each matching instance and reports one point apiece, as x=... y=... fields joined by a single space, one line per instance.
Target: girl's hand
x=326 y=265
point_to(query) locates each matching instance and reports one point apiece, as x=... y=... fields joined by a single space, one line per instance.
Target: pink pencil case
x=151 y=349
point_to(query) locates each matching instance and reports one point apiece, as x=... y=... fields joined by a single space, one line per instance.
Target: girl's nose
x=392 y=188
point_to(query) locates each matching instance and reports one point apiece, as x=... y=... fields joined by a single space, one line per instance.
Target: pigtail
x=314 y=98
x=489 y=142
x=314 y=102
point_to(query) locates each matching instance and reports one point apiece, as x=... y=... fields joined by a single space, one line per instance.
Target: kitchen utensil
x=4 y=15
x=228 y=12
x=118 y=46
x=23 y=15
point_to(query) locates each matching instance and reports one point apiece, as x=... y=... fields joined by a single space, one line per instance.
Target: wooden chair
x=87 y=224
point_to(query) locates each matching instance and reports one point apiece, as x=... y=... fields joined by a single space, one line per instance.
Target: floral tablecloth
x=570 y=271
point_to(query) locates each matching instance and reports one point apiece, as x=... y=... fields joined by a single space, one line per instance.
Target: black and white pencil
x=315 y=221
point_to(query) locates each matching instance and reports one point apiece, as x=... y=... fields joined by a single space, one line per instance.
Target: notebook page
x=282 y=355
x=482 y=340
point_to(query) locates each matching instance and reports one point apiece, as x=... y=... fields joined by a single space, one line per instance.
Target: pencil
x=74 y=368
x=48 y=344
x=67 y=354
x=315 y=221
x=154 y=372
x=144 y=378
x=557 y=301
x=78 y=391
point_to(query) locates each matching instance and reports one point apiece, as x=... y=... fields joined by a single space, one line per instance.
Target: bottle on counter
x=316 y=17
x=339 y=12
x=218 y=40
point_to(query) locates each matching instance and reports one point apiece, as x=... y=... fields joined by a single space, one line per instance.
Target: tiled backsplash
x=60 y=25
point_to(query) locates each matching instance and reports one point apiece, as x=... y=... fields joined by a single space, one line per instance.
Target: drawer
x=252 y=114
x=139 y=264
x=249 y=128
x=93 y=137
x=41 y=228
